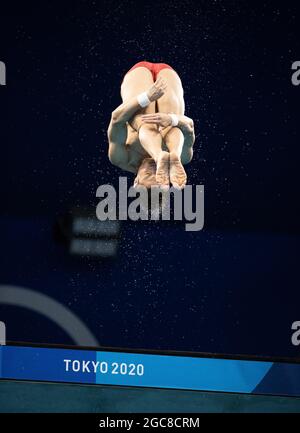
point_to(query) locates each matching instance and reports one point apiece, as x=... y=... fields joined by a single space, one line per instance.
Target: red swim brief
x=154 y=68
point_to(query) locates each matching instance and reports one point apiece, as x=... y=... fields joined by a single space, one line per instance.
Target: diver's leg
x=151 y=140
x=135 y=82
x=174 y=141
x=173 y=102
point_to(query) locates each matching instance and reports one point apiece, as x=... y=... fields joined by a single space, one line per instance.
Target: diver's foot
x=178 y=175
x=162 y=170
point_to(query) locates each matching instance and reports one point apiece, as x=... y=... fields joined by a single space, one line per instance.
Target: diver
x=148 y=134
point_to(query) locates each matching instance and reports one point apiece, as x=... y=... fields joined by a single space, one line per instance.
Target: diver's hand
x=162 y=119
x=157 y=90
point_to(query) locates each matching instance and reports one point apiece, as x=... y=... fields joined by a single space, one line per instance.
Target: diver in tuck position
x=148 y=134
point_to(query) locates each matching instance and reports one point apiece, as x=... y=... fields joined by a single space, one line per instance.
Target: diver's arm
x=117 y=152
x=185 y=124
x=125 y=111
x=117 y=130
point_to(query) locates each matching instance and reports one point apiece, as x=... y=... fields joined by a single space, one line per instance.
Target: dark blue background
x=234 y=286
